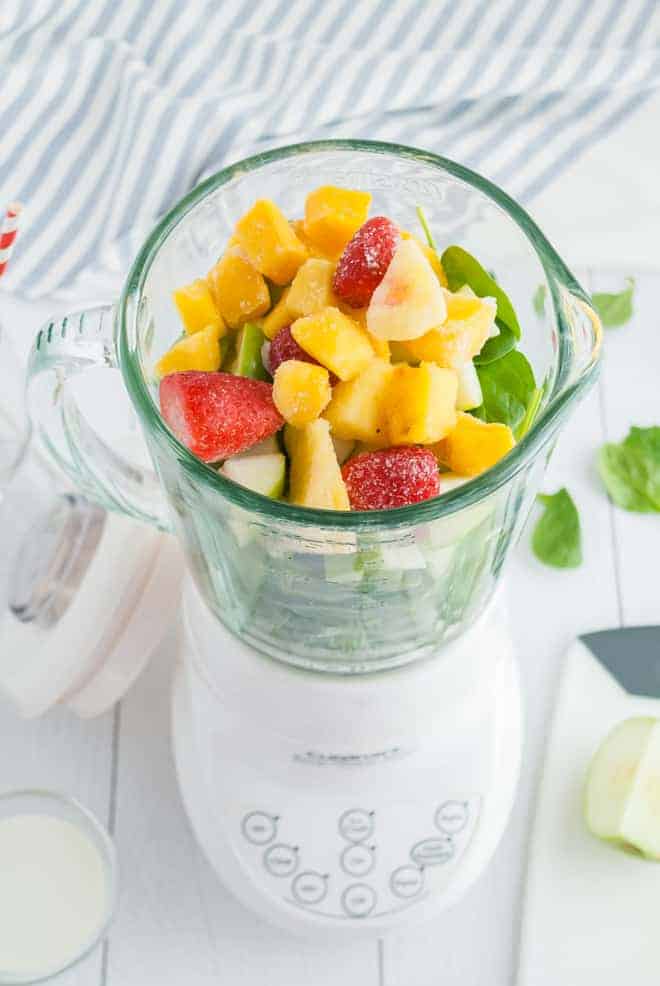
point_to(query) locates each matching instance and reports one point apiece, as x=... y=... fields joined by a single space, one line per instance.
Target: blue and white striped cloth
x=110 y=110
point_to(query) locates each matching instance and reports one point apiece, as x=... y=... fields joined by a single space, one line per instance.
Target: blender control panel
x=356 y=861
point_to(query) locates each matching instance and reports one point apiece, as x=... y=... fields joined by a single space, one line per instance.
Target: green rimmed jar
x=325 y=590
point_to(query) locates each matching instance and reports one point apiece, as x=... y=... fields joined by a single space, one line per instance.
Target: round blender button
x=309 y=887
x=451 y=817
x=357 y=860
x=356 y=825
x=358 y=900
x=406 y=882
x=281 y=860
x=259 y=828
x=432 y=852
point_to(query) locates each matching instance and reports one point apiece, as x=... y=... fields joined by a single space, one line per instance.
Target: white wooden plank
x=476 y=942
x=177 y=924
x=631 y=390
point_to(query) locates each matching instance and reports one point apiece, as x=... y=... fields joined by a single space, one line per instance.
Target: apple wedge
x=622 y=794
x=409 y=301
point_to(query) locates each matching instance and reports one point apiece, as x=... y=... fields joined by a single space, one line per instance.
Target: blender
x=346 y=710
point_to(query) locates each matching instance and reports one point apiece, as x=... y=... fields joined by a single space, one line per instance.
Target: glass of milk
x=58 y=885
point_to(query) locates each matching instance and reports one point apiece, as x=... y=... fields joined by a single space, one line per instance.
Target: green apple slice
x=264 y=473
x=622 y=794
x=247 y=361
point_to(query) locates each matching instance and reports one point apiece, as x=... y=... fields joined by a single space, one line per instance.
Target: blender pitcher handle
x=63 y=349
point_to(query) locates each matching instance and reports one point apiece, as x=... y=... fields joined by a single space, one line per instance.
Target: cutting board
x=591 y=912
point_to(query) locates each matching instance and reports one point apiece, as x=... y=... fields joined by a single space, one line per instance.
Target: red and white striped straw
x=8 y=234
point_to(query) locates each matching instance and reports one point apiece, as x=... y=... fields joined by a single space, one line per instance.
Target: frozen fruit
x=333 y=215
x=247 y=361
x=239 y=290
x=279 y=316
x=461 y=337
x=264 y=473
x=473 y=446
x=197 y=307
x=284 y=347
x=200 y=351
x=420 y=404
x=335 y=340
x=315 y=479
x=300 y=391
x=218 y=414
x=265 y=234
x=409 y=299
x=311 y=288
x=469 y=393
x=356 y=410
x=363 y=263
x=391 y=477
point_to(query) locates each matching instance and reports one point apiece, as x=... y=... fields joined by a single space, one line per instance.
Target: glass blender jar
x=345 y=603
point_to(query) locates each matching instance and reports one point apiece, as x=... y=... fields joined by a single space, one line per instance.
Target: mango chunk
x=333 y=215
x=298 y=227
x=335 y=340
x=311 y=289
x=279 y=316
x=239 y=290
x=420 y=405
x=197 y=307
x=463 y=334
x=315 y=478
x=200 y=351
x=381 y=346
x=473 y=445
x=356 y=410
x=272 y=246
x=301 y=391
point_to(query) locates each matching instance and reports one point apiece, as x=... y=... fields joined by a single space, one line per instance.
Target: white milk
x=53 y=894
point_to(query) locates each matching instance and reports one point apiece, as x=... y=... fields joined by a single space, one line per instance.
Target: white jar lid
x=87 y=597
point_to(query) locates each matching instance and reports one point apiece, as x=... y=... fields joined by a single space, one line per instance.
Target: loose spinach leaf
x=508 y=387
x=557 y=539
x=615 y=309
x=539 y=300
x=631 y=470
x=497 y=347
x=462 y=268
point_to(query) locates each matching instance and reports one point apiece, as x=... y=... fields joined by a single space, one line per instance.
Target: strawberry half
x=366 y=257
x=218 y=414
x=391 y=477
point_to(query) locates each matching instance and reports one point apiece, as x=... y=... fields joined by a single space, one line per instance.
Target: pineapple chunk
x=270 y=243
x=473 y=445
x=315 y=478
x=335 y=340
x=469 y=393
x=301 y=391
x=197 y=307
x=279 y=316
x=333 y=215
x=356 y=410
x=463 y=334
x=381 y=346
x=239 y=291
x=420 y=405
x=200 y=351
x=311 y=289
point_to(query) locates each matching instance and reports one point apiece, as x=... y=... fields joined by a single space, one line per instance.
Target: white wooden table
x=176 y=924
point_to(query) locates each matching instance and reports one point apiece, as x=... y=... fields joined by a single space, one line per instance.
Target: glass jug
x=326 y=590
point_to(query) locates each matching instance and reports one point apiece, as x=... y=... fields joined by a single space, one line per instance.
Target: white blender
x=346 y=712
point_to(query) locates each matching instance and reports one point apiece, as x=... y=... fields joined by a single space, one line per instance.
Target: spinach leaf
x=539 y=300
x=615 y=309
x=630 y=470
x=462 y=268
x=557 y=539
x=497 y=347
x=530 y=413
x=508 y=387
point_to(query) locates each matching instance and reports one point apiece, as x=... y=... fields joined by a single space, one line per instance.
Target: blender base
x=346 y=805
